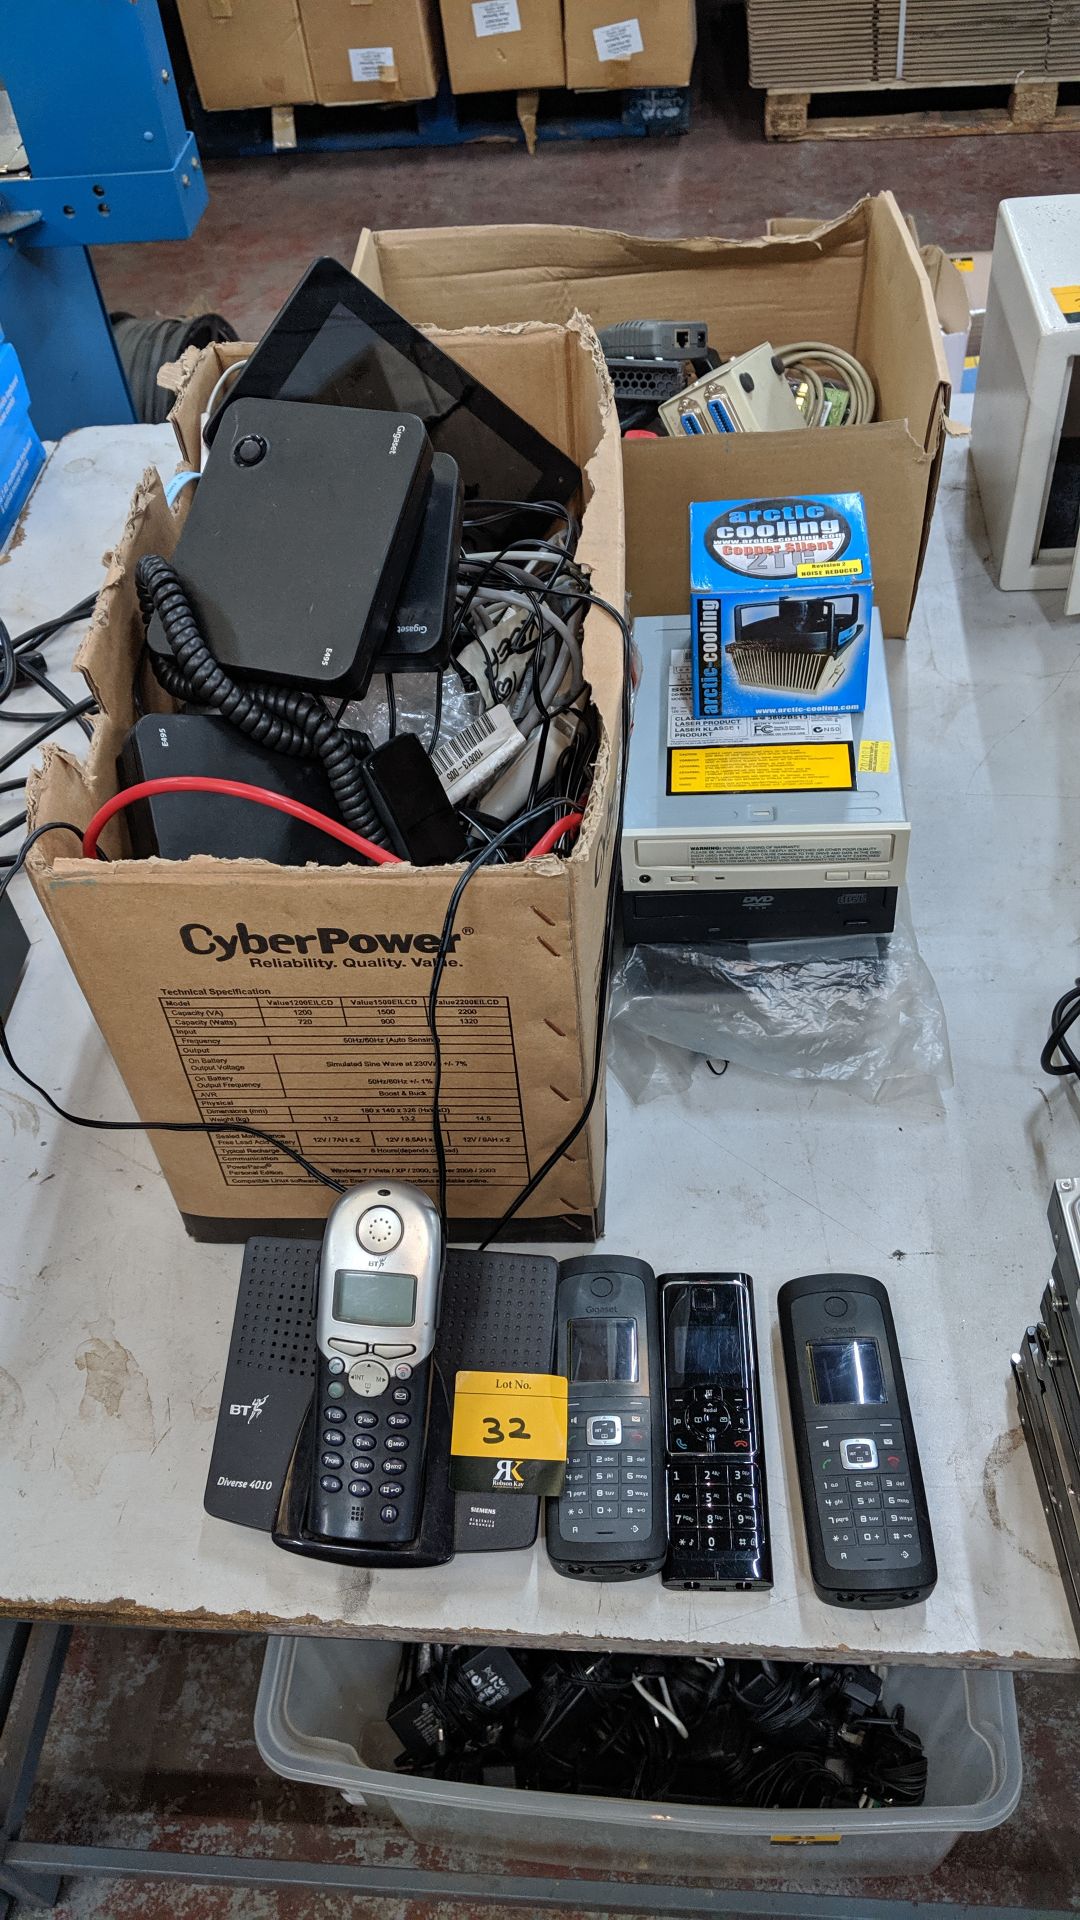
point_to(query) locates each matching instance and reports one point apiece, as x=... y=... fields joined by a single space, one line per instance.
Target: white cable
x=222 y=382
x=658 y=1706
x=802 y=358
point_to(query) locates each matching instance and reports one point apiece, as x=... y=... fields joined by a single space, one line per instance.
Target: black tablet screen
x=348 y=364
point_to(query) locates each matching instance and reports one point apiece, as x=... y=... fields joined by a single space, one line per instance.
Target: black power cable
x=284 y=719
x=210 y=1128
x=1062 y=1020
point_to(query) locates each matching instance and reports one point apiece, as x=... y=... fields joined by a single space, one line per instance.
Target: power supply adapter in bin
x=780 y=593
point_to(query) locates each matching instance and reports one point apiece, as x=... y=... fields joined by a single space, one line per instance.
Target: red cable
x=236 y=790
x=554 y=834
x=240 y=790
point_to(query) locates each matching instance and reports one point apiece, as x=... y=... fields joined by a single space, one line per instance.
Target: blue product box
x=780 y=598
x=22 y=455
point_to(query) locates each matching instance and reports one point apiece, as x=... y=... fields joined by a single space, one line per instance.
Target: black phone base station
x=498 y=1309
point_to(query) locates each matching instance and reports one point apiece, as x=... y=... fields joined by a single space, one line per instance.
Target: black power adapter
x=176 y=825
x=298 y=540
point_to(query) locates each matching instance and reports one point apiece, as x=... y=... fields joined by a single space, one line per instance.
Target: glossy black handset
x=376 y=1315
x=718 y=1510
x=864 y=1505
x=609 y=1523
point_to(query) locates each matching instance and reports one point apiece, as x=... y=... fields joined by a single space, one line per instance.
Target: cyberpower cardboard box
x=247 y=53
x=857 y=281
x=295 y=998
x=379 y=50
x=493 y=44
x=780 y=599
x=630 y=43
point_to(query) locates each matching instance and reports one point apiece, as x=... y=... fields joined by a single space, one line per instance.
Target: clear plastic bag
x=861 y=1011
x=414 y=702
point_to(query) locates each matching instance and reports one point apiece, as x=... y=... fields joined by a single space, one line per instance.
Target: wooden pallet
x=446 y=121
x=1031 y=106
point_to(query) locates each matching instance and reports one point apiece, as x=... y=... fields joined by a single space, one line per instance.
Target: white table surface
x=114 y=1326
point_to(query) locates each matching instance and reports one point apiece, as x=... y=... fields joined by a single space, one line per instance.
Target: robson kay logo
x=507 y=1474
x=321 y=948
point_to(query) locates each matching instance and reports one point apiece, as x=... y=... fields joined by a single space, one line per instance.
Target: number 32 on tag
x=509 y=1432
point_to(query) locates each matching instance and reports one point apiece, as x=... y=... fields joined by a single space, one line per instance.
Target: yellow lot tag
x=825 y=569
x=964 y=262
x=806 y=1839
x=1068 y=299
x=509 y=1433
x=875 y=756
x=780 y=769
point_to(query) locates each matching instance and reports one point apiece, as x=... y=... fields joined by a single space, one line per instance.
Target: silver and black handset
x=376 y=1317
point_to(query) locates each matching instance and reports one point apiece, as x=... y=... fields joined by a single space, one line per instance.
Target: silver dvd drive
x=712 y=850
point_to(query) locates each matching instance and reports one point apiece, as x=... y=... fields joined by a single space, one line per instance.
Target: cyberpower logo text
x=773 y=538
x=323 y=948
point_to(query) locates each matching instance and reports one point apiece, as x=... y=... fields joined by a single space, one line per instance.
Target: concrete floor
x=269 y=218
x=151 y=1745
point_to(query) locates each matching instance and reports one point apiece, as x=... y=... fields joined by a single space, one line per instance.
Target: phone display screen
x=374 y=1299
x=847 y=1373
x=707 y=1341
x=603 y=1349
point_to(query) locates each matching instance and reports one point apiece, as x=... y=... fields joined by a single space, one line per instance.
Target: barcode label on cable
x=471 y=758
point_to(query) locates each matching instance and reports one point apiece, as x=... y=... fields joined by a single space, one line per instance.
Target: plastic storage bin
x=320 y=1717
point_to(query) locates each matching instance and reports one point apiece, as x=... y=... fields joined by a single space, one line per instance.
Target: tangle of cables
x=656 y=1727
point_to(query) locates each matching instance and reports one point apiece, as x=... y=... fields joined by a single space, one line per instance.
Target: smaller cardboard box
x=630 y=43
x=780 y=597
x=494 y=44
x=857 y=281
x=378 y=50
x=247 y=53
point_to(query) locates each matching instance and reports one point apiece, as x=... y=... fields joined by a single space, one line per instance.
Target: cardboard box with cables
x=297 y=998
x=857 y=282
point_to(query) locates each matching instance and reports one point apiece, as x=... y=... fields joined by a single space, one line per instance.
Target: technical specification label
x=349 y=1081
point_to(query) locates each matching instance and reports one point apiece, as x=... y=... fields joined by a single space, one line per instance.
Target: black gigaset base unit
x=176 y=825
x=497 y=1310
x=418 y=637
x=283 y=483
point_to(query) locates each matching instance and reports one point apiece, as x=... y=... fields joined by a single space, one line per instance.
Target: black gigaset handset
x=864 y=1504
x=609 y=1523
x=376 y=1314
x=718 y=1511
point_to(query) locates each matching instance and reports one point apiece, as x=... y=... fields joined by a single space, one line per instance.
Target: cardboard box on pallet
x=503 y=44
x=372 y=50
x=857 y=282
x=295 y=998
x=247 y=53
x=630 y=43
